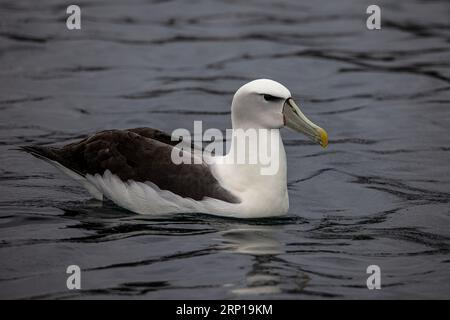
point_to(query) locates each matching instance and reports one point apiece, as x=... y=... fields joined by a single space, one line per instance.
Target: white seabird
x=134 y=168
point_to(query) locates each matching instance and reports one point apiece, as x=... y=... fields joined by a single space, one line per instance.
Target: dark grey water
x=379 y=194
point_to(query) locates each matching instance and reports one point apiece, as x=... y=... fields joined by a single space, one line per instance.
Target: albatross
x=134 y=168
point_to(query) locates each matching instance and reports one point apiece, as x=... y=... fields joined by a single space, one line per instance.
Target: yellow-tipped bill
x=296 y=120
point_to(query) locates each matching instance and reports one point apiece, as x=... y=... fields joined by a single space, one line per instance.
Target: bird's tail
x=52 y=156
x=41 y=152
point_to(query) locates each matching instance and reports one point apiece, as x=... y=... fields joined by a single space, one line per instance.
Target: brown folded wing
x=140 y=154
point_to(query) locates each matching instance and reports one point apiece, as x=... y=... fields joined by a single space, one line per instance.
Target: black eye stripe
x=269 y=97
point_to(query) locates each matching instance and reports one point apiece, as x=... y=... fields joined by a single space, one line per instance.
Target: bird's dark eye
x=268 y=97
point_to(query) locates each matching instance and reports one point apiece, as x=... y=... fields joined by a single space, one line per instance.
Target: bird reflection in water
x=270 y=273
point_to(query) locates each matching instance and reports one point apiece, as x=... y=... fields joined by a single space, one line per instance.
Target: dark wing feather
x=162 y=137
x=140 y=154
x=155 y=134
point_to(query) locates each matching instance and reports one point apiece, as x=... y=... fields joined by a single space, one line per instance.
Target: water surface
x=379 y=194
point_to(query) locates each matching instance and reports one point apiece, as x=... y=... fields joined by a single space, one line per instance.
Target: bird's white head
x=267 y=104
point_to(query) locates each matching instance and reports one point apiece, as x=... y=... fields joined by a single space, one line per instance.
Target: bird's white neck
x=255 y=170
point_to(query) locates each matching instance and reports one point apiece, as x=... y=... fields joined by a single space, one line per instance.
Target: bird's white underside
x=148 y=198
